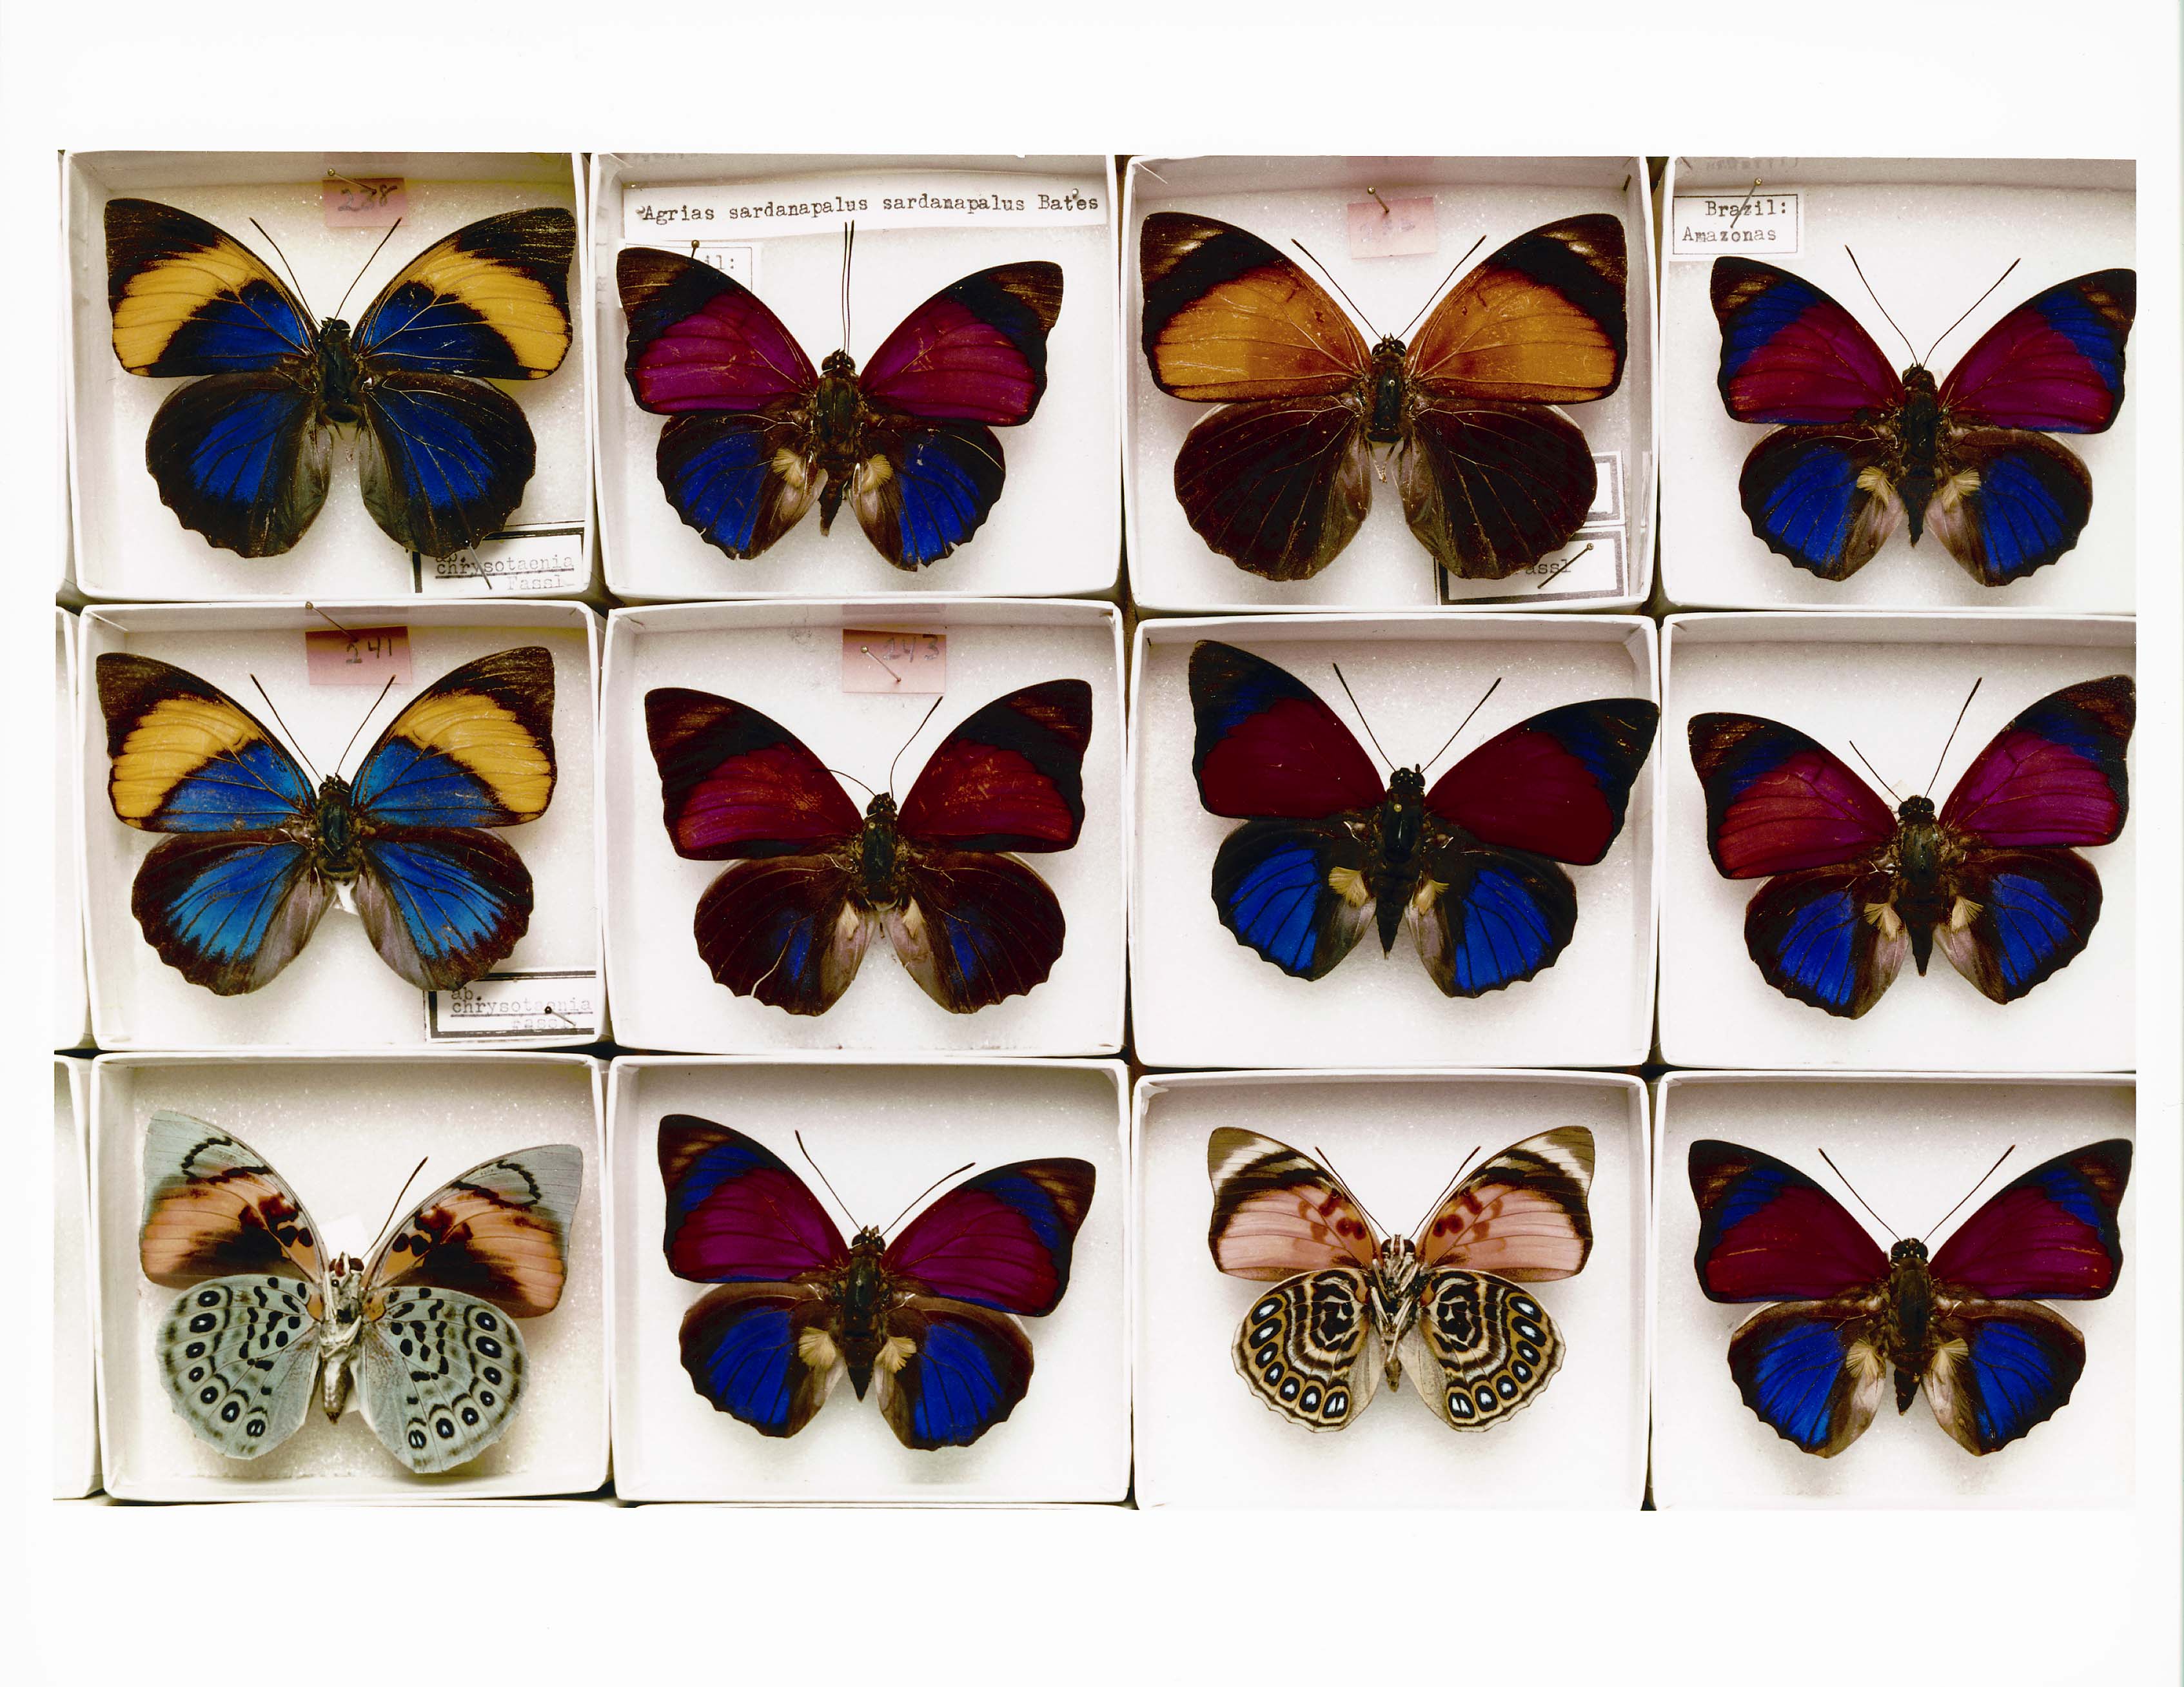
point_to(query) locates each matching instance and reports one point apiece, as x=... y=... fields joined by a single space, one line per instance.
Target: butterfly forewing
x=1277 y=1211
x=1228 y=317
x=213 y=1207
x=1540 y=321
x=1522 y=1215
x=499 y=1232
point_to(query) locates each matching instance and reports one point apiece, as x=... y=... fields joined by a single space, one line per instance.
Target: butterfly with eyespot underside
x=788 y=923
x=755 y=434
x=1278 y=481
x=422 y=1330
x=1327 y=849
x=1349 y=1307
x=1992 y=878
x=1964 y=1322
x=256 y=855
x=929 y=1318
x=244 y=455
x=1863 y=451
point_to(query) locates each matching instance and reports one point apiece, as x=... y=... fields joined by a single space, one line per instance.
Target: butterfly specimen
x=256 y=854
x=1491 y=479
x=1865 y=451
x=242 y=456
x=423 y=1329
x=1991 y=878
x=1963 y=1321
x=788 y=923
x=755 y=433
x=1350 y=1306
x=926 y=1316
x=1327 y=848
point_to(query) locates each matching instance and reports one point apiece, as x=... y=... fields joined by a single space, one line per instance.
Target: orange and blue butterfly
x=244 y=455
x=256 y=853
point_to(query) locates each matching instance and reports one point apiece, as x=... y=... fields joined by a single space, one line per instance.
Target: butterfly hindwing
x=781 y=930
x=764 y=1353
x=2014 y=503
x=965 y=1369
x=1277 y=485
x=244 y=458
x=439 y=1377
x=1309 y=1350
x=2000 y=1370
x=973 y=928
x=228 y=913
x=1480 y=1349
x=922 y=491
x=1489 y=918
x=1293 y=891
x=444 y=460
x=442 y=904
x=1822 y=936
x=2020 y=916
x=1489 y=489
x=238 y=1356
x=1821 y=497
x=735 y=478
x=1809 y=1373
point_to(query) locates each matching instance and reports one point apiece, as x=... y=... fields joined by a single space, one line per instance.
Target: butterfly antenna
x=1951 y=738
x=822 y=1176
x=1883 y=308
x=1446 y=1190
x=1874 y=771
x=854 y=780
x=362 y=724
x=1360 y=713
x=1970 y=1193
x=1443 y=283
x=284 y=726
x=1337 y=285
x=1461 y=724
x=397 y=1207
x=927 y=1190
x=1974 y=305
x=908 y=742
x=1858 y=1198
x=1328 y=1160
x=848 y=246
x=298 y=285
x=375 y=251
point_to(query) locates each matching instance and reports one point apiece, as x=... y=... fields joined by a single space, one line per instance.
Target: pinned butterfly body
x=423 y=1330
x=1991 y=878
x=1280 y=479
x=1350 y=1309
x=930 y=1318
x=1863 y=451
x=788 y=924
x=755 y=435
x=256 y=854
x=1470 y=864
x=1962 y=1322
x=244 y=455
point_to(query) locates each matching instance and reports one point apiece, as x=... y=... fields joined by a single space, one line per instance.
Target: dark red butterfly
x=926 y=1316
x=1279 y=480
x=1327 y=848
x=1962 y=1323
x=789 y=922
x=1866 y=450
x=1991 y=878
x=755 y=434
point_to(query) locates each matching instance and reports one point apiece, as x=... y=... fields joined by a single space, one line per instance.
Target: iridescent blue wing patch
x=228 y=913
x=444 y=460
x=966 y=1368
x=1499 y=918
x=1293 y=891
x=188 y=757
x=927 y=491
x=491 y=299
x=243 y=459
x=442 y=907
x=475 y=748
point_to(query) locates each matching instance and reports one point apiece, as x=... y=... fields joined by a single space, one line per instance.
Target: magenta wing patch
x=2055 y=775
x=1791 y=353
x=735 y=1212
x=1003 y=1239
x=2055 y=364
x=700 y=341
x=2051 y=1235
x=973 y=351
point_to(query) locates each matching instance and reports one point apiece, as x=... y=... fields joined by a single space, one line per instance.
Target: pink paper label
x=365 y=202
x=363 y=655
x=1392 y=228
x=905 y=664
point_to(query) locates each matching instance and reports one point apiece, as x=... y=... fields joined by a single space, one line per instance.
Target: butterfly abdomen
x=835 y=443
x=1919 y=440
x=1910 y=1338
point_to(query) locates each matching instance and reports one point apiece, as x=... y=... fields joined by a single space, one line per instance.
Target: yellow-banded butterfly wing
x=189 y=300
x=490 y=300
x=187 y=757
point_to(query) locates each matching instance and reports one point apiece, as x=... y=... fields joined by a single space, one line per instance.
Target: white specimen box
x=130 y=546
x=1200 y=997
x=1395 y=1139
x=1054 y=531
x=1891 y=684
x=1932 y=234
x=75 y=1457
x=881 y=1131
x=1491 y=200
x=337 y=993
x=1913 y=1144
x=71 y=997
x=344 y=1130
x=786 y=660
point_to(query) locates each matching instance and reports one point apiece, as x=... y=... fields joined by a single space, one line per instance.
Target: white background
x=590 y=1593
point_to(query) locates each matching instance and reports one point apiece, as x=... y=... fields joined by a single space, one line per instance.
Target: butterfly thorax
x=1394 y=1296
x=879 y=849
x=835 y=440
x=338 y=854
x=1908 y=1333
x=341 y=1321
x=1383 y=424
x=1923 y=857
x=862 y=1295
x=341 y=381
x=1919 y=439
x=1392 y=855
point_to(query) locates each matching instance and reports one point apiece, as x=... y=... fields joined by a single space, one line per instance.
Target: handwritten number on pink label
x=900 y=664
x=1392 y=228
x=363 y=655
x=364 y=202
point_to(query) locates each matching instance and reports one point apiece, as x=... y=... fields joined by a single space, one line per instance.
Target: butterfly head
x=1912 y=1248
x=839 y=364
x=1916 y=810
